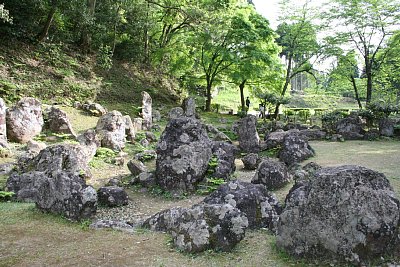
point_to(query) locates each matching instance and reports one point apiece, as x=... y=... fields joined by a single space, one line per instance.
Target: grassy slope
x=58 y=74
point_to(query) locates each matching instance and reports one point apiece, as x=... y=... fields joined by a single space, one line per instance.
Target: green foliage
x=104 y=57
x=330 y=119
x=104 y=153
x=271 y=153
x=5 y=14
x=5 y=195
x=210 y=185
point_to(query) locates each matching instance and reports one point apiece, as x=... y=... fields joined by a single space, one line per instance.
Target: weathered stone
x=90 y=141
x=35 y=147
x=137 y=124
x=144 y=142
x=112 y=196
x=115 y=225
x=55 y=181
x=146 y=111
x=3 y=125
x=201 y=227
x=136 y=167
x=225 y=155
x=337 y=138
x=275 y=139
x=271 y=173
x=295 y=149
x=58 y=122
x=250 y=161
x=24 y=120
x=183 y=153
x=249 y=141
x=216 y=134
x=313 y=134
x=129 y=129
x=111 y=130
x=386 y=127
x=151 y=136
x=145 y=179
x=298 y=126
x=175 y=113
x=95 y=109
x=189 y=107
x=261 y=208
x=156 y=116
x=350 y=128
x=348 y=211
x=114 y=182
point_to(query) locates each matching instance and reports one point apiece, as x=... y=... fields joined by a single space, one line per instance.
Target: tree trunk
x=146 y=47
x=241 y=87
x=285 y=86
x=45 y=32
x=86 y=38
x=368 y=73
x=208 y=94
x=353 y=81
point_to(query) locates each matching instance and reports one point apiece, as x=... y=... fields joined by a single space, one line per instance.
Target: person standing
x=248 y=103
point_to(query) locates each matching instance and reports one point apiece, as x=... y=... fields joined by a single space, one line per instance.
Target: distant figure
x=262 y=111
x=247 y=103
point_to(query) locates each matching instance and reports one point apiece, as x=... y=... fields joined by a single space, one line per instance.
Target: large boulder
x=90 y=141
x=225 y=157
x=183 y=153
x=55 y=181
x=251 y=161
x=275 y=139
x=295 y=149
x=351 y=127
x=129 y=129
x=189 y=107
x=347 y=211
x=24 y=120
x=261 y=208
x=147 y=111
x=112 y=196
x=136 y=167
x=58 y=122
x=111 y=130
x=313 y=134
x=249 y=141
x=94 y=109
x=272 y=173
x=386 y=127
x=201 y=227
x=3 y=125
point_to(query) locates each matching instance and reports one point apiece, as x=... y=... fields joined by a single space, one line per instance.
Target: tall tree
x=298 y=38
x=364 y=25
x=257 y=53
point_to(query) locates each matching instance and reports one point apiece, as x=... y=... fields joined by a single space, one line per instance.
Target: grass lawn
x=31 y=238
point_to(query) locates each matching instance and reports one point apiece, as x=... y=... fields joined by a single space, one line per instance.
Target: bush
x=330 y=119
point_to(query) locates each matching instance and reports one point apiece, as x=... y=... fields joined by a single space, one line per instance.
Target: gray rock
x=24 y=120
x=35 y=147
x=156 y=116
x=189 y=107
x=337 y=138
x=272 y=173
x=111 y=130
x=275 y=139
x=129 y=129
x=114 y=182
x=351 y=128
x=295 y=149
x=58 y=122
x=151 y=136
x=90 y=141
x=313 y=134
x=183 y=153
x=372 y=134
x=136 y=167
x=249 y=141
x=261 y=208
x=144 y=142
x=216 y=134
x=386 y=127
x=145 y=179
x=225 y=155
x=175 y=113
x=110 y=224
x=95 y=109
x=112 y=196
x=348 y=211
x=250 y=161
x=137 y=124
x=146 y=111
x=3 y=125
x=201 y=227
